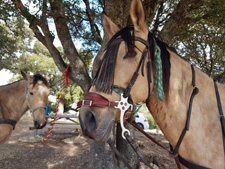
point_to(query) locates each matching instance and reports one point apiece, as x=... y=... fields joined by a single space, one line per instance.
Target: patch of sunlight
x=72 y=151
x=12 y=142
x=54 y=165
x=30 y=145
x=54 y=146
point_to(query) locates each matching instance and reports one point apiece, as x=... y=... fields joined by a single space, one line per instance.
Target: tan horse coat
x=203 y=143
x=14 y=105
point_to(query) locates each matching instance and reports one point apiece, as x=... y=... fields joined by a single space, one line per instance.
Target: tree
x=14 y=37
x=170 y=20
x=204 y=47
x=39 y=61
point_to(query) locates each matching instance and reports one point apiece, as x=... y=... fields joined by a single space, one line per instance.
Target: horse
x=16 y=98
x=138 y=68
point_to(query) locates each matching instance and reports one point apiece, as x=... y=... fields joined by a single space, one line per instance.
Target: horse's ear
x=109 y=27
x=47 y=78
x=24 y=75
x=137 y=14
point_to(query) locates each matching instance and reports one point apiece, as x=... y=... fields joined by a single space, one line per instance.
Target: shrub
x=151 y=122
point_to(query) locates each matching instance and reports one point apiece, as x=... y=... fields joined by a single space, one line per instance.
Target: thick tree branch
x=178 y=19
x=47 y=38
x=94 y=28
x=157 y=20
x=44 y=8
x=79 y=73
x=151 y=6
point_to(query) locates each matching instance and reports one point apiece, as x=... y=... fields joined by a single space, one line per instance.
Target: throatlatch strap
x=222 y=119
x=186 y=128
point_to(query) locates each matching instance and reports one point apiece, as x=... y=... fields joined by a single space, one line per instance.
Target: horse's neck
x=13 y=100
x=171 y=114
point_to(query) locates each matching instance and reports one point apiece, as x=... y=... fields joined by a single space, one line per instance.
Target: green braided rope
x=117 y=90
x=158 y=80
x=138 y=106
x=158 y=77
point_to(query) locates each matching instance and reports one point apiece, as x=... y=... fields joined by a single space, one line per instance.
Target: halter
x=32 y=110
x=27 y=99
x=94 y=99
x=13 y=122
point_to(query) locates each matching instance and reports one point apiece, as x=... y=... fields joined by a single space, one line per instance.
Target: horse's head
x=37 y=91
x=127 y=52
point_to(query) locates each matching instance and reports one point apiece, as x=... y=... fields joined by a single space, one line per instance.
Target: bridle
x=13 y=122
x=126 y=108
x=94 y=99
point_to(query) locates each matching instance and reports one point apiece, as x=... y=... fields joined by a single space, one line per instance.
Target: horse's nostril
x=91 y=122
x=42 y=125
x=38 y=125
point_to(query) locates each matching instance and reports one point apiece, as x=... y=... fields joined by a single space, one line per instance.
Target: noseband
x=94 y=99
x=13 y=122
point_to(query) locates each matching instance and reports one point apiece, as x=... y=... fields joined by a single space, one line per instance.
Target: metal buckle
x=90 y=104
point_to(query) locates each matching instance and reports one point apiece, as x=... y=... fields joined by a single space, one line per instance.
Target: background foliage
x=71 y=33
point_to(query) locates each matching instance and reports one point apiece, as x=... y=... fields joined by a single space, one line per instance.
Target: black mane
x=38 y=77
x=104 y=77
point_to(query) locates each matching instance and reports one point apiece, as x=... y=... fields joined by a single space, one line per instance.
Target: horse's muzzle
x=88 y=124
x=37 y=125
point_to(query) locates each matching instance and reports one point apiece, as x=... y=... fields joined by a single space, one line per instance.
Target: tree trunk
x=101 y=157
x=125 y=149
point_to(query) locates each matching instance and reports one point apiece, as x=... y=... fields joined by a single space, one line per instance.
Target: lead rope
x=65 y=75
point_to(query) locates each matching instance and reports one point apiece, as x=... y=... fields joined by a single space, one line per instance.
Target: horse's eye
x=31 y=93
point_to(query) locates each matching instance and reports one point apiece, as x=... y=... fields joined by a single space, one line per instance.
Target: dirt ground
x=58 y=152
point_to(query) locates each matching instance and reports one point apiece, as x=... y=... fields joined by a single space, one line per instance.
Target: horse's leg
x=5 y=132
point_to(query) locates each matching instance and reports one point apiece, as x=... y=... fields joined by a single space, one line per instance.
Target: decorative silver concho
x=123 y=105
